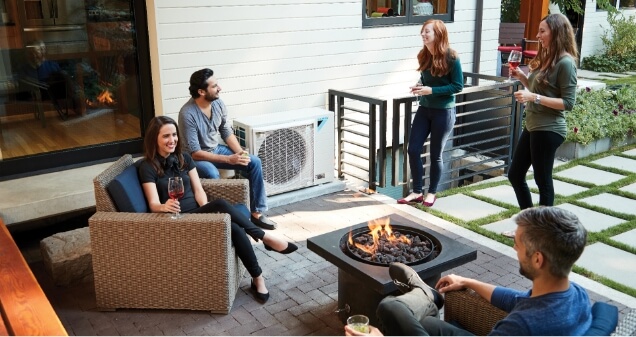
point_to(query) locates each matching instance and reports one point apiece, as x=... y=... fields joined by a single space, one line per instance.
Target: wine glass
x=513 y=62
x=418 y=85
x=175 y=191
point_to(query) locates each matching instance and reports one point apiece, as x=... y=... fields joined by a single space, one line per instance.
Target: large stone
x=67 y=256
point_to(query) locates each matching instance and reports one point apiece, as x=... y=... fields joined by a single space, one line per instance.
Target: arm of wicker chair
x=233 y=190
x=471 y=311
x=148 y=260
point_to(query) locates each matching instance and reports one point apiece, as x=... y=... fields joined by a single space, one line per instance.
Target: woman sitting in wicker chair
x=164 y=159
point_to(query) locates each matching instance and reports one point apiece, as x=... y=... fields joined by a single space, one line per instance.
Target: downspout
x=479 y=18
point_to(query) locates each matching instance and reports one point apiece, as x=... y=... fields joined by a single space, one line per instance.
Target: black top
x=147 y=174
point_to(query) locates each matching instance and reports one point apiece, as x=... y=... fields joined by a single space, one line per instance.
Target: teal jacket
x=444 y=87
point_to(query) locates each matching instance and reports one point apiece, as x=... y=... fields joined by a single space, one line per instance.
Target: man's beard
x=210 y=98
x=526 y=273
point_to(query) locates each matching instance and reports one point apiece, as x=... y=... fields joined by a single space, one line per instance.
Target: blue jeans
x=439 y=124
x=253 y=170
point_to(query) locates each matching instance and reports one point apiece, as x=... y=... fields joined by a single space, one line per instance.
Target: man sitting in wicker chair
x=548 y=241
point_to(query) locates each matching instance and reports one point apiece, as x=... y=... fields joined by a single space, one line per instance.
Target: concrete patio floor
x=303 y=287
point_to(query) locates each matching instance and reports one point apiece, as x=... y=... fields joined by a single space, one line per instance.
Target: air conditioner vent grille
x=287 y=157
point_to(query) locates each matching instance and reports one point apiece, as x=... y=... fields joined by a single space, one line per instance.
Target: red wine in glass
x=513 y=62
x=175 y=191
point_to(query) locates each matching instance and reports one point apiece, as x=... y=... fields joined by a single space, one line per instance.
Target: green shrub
x=601 y=114
x=620 y=46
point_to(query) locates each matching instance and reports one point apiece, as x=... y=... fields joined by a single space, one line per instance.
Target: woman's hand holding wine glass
x=513 y=62
x=175 y=191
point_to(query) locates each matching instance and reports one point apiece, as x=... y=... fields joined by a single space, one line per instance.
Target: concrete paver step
x=628 y=238
x=590 y=175
x=591 y=220
x=504 y=193
x=612 y=202
x=629 y=188
x=466 y=208
x=501 y=225
x=617 y=162
x=613 y=263
x=631 y=152
x=561 y=187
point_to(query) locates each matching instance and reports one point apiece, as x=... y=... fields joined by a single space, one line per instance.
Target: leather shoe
x=430 y=204
x=264 y=222
x=261 y=297
x=406 y=279
x=403 y=201
x=290 y=248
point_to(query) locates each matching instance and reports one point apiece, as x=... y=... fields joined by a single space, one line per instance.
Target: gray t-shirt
x=198 y=132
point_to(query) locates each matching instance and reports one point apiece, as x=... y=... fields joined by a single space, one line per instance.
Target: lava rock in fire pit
x=391 y=247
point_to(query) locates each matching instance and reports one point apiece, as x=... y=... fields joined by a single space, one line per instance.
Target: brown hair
x=150 y=144
x=439 y=62
x=562 y=41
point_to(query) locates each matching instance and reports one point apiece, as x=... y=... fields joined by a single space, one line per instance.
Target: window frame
x=408 y=18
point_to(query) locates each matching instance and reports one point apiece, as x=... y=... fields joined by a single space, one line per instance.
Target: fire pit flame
x=379 y=228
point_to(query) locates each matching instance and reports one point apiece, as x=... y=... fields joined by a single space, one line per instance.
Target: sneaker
x=406 y=279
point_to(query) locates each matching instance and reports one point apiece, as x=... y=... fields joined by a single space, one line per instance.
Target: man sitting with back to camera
x=548 y=241
x=204 y=117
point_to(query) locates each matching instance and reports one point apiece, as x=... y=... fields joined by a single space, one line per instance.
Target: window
x=401 y=12
x=619 y=4
x=74 y=86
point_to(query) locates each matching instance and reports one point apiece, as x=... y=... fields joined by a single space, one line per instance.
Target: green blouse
x=444 y=87
x=561 y=83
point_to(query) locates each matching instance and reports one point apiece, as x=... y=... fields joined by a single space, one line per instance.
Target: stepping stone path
x=599 y=258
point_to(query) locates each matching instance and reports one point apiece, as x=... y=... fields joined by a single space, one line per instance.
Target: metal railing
x=483 y=138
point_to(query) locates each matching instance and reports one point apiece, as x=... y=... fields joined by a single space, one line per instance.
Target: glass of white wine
x=359 y=323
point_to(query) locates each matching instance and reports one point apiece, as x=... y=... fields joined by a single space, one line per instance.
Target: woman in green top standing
x=441 y=77
x=550 y=92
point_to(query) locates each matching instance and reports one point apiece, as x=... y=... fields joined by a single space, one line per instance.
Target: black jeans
x=241 y=227
x=439 y=124
x=536 y=148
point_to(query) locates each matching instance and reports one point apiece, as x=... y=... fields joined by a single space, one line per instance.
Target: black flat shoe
x=259 y=296
x=290 y=248
x=264 y=222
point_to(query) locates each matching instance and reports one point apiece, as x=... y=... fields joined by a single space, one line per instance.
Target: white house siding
x=594 y=27
x=276 y=55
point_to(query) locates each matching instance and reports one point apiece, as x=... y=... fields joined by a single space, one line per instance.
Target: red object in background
x=385 y=10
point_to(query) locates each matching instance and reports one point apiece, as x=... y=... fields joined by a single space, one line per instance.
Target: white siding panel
x=247 y=14
x=275 y=55
x=230 y=28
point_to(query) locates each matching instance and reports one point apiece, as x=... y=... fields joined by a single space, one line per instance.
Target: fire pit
x=383 y=243
x=363 y=283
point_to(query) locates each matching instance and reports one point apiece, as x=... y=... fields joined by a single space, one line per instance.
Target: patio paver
x=610 y=262
x=561 y=187
x=629 y=188
x=631 y=152
x=504 y=193
x=628 y=238
x=612 y=202
x=590 y=175
x=470 y=209
x=591 y=220
x=617 y=162
x=501 y=225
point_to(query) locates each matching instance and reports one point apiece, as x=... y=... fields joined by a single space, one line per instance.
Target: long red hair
x=438 y=62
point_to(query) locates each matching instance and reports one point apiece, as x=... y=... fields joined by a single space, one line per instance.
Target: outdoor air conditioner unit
x=296 y=147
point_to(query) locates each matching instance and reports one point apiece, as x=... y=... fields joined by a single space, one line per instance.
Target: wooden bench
x=25 y=309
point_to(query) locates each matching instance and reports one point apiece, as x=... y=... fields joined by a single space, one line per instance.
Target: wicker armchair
x=148 y=260
x=478 y=316
x=471 y=311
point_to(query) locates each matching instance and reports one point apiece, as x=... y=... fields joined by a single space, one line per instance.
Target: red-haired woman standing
x=441 y=77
